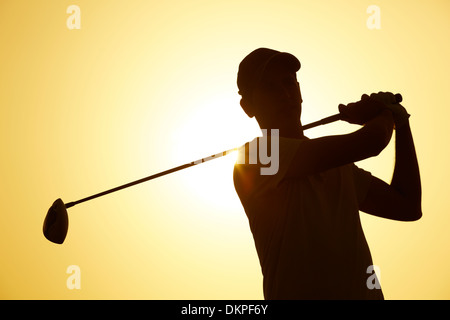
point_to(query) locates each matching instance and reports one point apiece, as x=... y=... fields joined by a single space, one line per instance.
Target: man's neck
x=286 y=132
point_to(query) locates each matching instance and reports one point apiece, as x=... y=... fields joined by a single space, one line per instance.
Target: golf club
x=56 y=221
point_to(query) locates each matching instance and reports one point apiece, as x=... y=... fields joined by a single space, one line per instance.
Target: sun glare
x=205 y=133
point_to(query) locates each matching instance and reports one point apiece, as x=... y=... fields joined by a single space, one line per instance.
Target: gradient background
x=144 y=86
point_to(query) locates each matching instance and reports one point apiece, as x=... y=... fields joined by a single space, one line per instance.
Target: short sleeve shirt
x=307 y=230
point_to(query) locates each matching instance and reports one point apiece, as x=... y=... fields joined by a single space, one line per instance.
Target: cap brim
x=286 y=58
x=282 y=58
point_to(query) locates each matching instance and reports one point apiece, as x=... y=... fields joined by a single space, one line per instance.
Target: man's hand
x=362 y=111
x=398 y=111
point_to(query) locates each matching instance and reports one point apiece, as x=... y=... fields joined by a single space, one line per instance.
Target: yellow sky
x=144 y=86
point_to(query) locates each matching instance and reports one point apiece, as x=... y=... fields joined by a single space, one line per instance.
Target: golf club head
x=56 y=222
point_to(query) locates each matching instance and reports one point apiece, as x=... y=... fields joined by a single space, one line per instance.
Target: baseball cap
x=253 y=65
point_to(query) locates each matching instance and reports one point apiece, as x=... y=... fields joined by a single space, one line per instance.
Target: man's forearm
x=378 y=131
x=406 y=178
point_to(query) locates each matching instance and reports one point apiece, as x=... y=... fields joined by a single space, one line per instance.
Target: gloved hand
x=399 y=113
x=362 y=111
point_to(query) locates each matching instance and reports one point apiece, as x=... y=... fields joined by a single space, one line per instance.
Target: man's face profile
x=277 y=95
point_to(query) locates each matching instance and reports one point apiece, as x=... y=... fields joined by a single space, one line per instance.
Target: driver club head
x=56 y=222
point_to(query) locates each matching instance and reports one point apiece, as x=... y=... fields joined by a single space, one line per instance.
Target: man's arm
x=401 y=200
x=316 y=155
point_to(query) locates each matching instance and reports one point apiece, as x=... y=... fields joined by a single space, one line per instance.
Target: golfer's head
x=267 y=82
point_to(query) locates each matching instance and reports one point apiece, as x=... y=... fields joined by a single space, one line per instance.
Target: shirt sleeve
x=262 y=177
x=362 y=180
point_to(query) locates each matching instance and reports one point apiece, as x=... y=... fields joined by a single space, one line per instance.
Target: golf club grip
x=338 y=116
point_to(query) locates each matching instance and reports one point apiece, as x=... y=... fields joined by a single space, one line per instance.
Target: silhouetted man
x=305 y=217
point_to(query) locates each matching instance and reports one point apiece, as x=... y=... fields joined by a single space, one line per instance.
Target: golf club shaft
x=398 y=99
x=326 y=120
x=154 y=176
x=193 y=163
x=187 y=165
